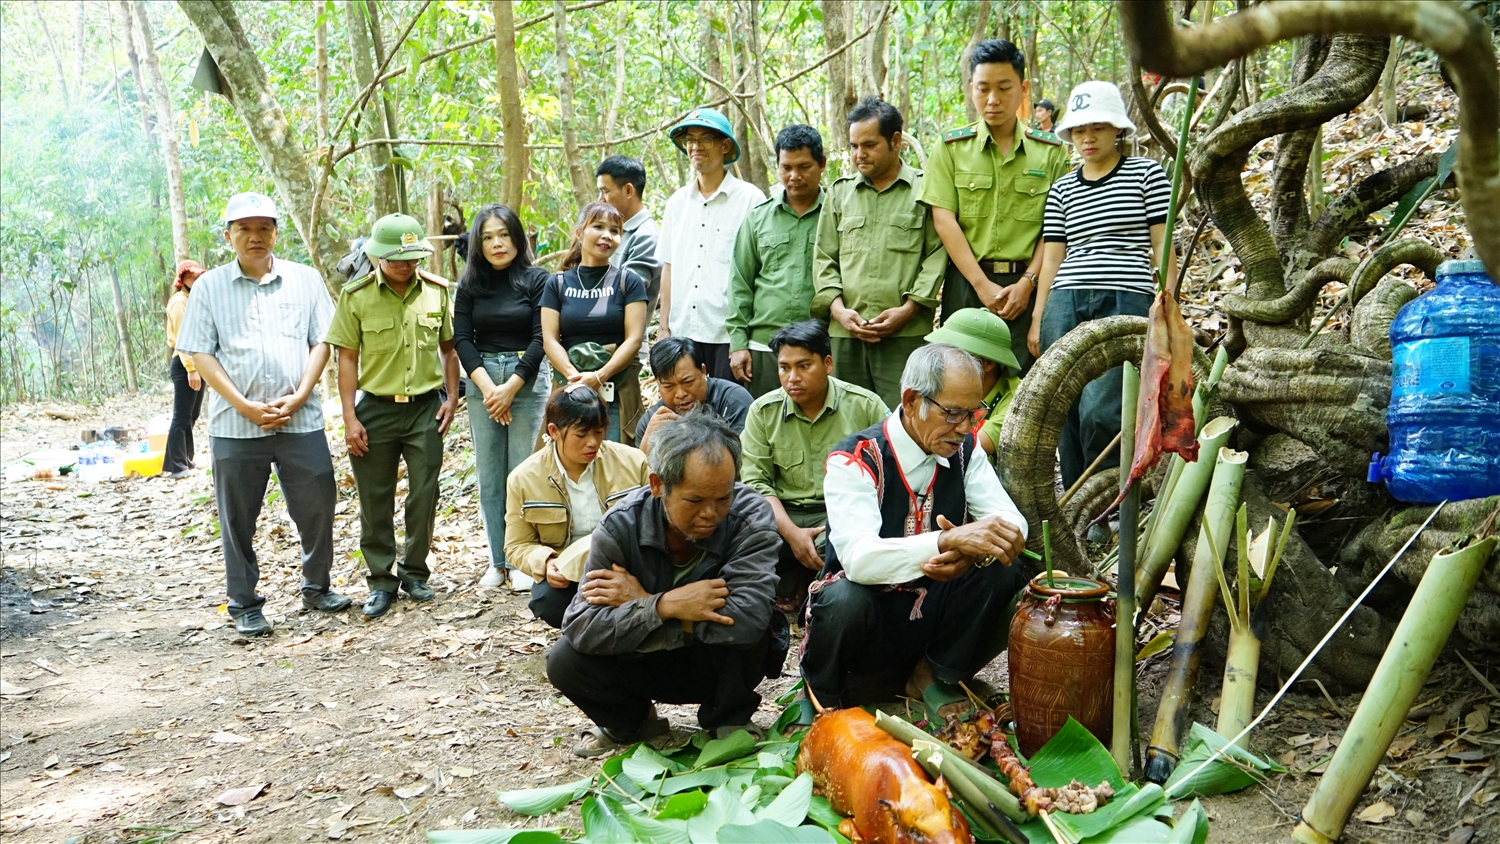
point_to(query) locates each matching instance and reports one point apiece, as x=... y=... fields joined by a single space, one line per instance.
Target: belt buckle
x=400 y=399
x=1000 y=267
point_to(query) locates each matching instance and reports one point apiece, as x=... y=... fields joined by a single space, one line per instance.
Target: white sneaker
x=492 y=577
x=520 y=581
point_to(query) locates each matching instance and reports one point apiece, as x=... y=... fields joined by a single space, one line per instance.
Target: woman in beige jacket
x=556 y=496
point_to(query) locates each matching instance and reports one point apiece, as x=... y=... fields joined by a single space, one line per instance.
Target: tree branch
x=1459 y=38
x=364 y=95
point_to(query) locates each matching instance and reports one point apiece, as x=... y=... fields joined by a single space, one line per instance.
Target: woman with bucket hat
x=698 y=230
x=1103 y=230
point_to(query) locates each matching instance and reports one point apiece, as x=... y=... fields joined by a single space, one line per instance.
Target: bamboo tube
x=1241 y=666
x=995 y=792
x=1242 y=662
x=929 y=754
x=1122 y=736
x=1424 y=629
x=1178 y=511
x=1197 y=608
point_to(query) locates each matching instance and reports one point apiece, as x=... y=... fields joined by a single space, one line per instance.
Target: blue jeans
x=499 y=449
x=1094 y=419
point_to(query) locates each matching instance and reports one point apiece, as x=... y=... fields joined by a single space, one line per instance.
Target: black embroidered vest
x=903 y=510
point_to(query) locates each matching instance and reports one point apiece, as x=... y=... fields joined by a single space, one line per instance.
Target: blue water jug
x=1444 y=415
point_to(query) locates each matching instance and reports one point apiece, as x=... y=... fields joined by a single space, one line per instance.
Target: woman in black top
x=497 y=331
x=594 y=318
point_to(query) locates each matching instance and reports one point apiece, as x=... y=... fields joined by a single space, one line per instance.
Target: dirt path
x=144 y=708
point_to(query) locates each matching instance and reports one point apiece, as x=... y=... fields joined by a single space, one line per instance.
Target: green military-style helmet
x=398 y=237
x=980 y=333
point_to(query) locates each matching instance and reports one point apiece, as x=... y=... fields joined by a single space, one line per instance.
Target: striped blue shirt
x=261 y=333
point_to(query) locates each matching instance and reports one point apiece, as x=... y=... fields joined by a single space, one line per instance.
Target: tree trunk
x=435 y=226
x=62 y=78
x=127 y=30
x=78 y=10
x=755 y=79
x=320 y=12
x=577 y=173
x=512 y=119
x=981 y=23
x=1037 y=88
x=382 y=174
x=166 y=120
x=392 y=125
x=280 y=151
x=875 y=48
x=622 y=23
x=841 y=95
x=903 y=71
x=122 y=330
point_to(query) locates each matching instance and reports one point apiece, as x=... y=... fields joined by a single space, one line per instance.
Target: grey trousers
x=305 y=471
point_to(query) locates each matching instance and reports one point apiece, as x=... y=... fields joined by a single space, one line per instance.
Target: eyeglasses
x=955 y=417
x=698 y=140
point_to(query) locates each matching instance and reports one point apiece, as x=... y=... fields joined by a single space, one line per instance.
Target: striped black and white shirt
x=1106 y=225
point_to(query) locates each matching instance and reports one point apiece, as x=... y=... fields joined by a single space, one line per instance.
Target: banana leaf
x=1074 y=754
x=1234 y=769
x=1192 y=827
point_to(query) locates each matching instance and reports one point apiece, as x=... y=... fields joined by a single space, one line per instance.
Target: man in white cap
x=255 y=327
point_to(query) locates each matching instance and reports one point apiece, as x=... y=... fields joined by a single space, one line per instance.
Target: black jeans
x=854 y=629
x=550 y=603
x=616 y=691
x=187 y=403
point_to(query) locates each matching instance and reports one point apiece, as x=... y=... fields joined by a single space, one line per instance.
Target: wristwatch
x=1031 y=275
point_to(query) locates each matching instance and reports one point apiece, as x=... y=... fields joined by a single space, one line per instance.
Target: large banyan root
x=1027 y=452
x=1332 y=399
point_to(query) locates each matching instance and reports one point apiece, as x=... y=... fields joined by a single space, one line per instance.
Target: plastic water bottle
x=1444 y=415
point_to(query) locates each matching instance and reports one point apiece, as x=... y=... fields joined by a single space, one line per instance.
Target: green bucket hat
x=980 y=333
x=586 y=357
x=397 y=237
x=706 y=118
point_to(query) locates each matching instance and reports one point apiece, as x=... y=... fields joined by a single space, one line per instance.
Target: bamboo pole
x=1197 y=608
x=1175 y=511
x=1122 y=735
x=1424 y=629
x=929 y=754
x=994 y=792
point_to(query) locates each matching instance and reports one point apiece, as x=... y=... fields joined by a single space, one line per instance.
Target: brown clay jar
x=1062 y=659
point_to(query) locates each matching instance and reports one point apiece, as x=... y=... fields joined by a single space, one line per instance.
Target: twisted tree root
x=1027 y=451
x=1388 y=257
x=1297 y=300
x=1370 y=326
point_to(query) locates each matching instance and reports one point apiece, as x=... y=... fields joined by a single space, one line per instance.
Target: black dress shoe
x=378 y=603
x=252 y=623
x=329 y=601
x=418 y=591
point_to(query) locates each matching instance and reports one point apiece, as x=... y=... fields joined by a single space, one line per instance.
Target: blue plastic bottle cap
x=1464 y=267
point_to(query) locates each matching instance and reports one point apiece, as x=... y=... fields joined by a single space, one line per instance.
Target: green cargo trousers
x=875 y=366
x=397 y=431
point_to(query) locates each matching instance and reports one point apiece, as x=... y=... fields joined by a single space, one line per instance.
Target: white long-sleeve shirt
x=854 y=509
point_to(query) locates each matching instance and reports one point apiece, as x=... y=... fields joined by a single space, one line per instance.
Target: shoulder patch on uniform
x=435 y=279
x=357 y=283
x=1044 y=137
x=960 y=133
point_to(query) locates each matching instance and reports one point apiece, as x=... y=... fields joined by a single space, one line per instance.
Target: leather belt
x=1004 y=267
x=400 y=399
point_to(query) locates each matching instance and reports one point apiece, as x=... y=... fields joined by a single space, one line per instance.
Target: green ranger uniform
x=783 y=456
x=400 y=372
x=999 y=201
x=877 y=249
x=771 y=282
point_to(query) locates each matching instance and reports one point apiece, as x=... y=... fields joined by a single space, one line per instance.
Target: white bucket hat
x=1094 y=102
x=243 y=205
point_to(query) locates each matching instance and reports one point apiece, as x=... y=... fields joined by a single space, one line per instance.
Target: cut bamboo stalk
x=1197 y=608
x=1424 y=629
x=994 y=791
x=1242 y=662
x=1178 y=511
x=1122 y=737
x=929 y=754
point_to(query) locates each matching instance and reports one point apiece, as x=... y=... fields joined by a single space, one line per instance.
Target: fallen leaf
x=1479 y=720
x=1401 y=746
x=62 y=772
x=1288 y=759
x=461 y=771
x=407 y=792
x=112 y=768
x=1415 y=817
x=241 y=796
x=1377 y=813
x=228 y=738
x=51 y=761
x=11 y=689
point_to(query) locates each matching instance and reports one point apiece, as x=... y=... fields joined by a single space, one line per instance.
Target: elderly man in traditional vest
x=917 y=522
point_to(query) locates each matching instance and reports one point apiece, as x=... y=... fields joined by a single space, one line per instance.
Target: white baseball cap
x=243 y=205
x=1094 y=102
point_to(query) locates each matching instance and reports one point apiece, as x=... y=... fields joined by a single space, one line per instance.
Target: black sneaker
x=378 y=603
x=418 y=591
x=329 y=601
x=252 y=623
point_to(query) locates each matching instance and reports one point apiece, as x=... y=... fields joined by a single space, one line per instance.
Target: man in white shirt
x=916 y=520
x=696 y=249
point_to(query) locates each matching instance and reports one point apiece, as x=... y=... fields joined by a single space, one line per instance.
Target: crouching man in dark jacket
x=675 y=602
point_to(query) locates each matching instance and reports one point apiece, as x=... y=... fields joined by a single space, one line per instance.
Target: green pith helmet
x=706 y=118
x=397 y=237
x=980 y=333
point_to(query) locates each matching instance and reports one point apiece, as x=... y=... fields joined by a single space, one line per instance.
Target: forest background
x=113 y=165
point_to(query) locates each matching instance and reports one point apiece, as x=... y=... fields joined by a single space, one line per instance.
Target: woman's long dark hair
x=477 y=267
x=593 y=211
